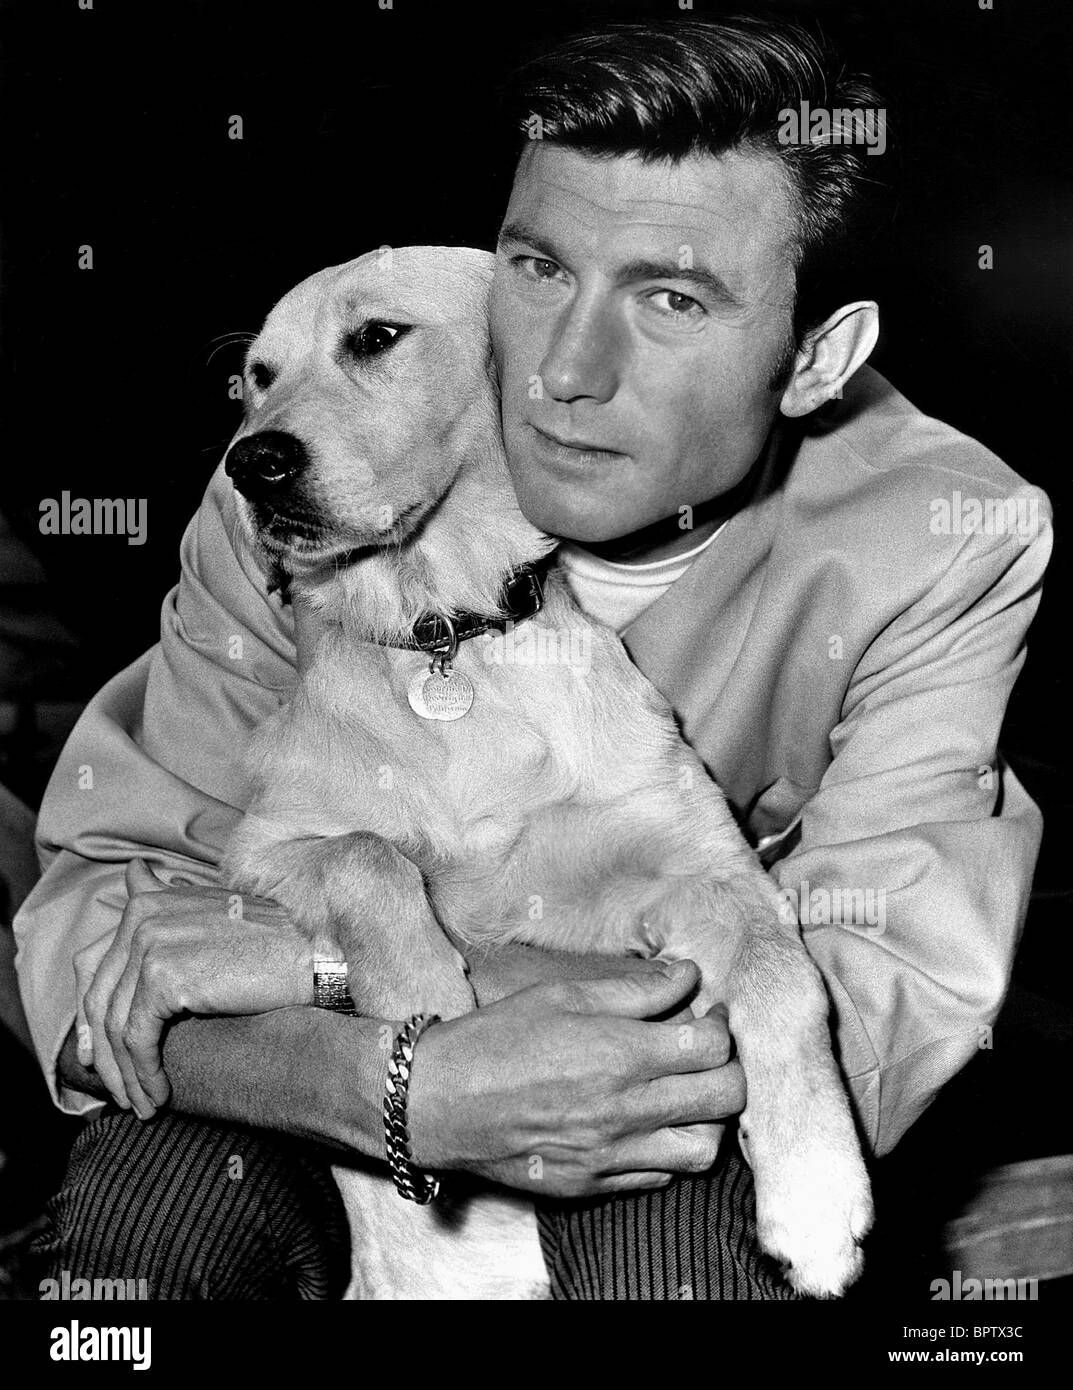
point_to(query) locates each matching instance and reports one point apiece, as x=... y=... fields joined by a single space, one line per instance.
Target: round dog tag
x=433 y=695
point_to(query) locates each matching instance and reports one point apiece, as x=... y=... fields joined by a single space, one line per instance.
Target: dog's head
x=369 y=394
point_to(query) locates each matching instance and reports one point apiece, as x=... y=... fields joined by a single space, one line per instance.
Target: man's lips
x=577 y=446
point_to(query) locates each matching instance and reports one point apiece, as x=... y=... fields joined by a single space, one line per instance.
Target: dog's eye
x=262 y=376
x=373 y=338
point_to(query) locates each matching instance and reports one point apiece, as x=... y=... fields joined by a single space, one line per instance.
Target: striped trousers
x=207 y=1211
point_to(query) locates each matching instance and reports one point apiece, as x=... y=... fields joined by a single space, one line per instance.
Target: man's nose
x=583 y=359
x=263 y=465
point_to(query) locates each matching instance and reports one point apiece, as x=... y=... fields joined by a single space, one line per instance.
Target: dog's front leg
x=813 y=1200
x=359 y=895
x=723 y=911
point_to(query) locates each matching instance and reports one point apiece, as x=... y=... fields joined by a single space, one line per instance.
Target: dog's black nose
x=263 y=464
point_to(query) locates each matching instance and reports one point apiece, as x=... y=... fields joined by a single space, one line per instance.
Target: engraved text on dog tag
x=433 y=695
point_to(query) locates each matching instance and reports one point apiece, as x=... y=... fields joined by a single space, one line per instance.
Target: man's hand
x=562 y=1089
x=563 y=1072
x=178 y=950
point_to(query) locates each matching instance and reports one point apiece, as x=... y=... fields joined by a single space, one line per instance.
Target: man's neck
x=661 y=541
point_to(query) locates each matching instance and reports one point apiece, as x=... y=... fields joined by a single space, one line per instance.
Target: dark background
x=368 y=126
x=380 y=127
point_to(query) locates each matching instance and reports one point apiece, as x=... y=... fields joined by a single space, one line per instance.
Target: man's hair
x=667 y=90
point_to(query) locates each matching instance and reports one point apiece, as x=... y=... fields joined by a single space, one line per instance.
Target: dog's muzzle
x=263 y=466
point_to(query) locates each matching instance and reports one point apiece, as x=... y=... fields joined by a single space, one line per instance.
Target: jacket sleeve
x=154 y=766
x=922 y=821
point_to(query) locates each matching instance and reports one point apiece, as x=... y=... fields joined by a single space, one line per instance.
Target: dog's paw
x=813 y=1210
x=430 y=983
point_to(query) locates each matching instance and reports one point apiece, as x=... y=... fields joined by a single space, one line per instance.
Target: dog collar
x=437 y=634
x=523 y=597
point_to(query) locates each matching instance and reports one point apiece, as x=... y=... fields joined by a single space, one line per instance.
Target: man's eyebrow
x=706 y=280
x=519 y=232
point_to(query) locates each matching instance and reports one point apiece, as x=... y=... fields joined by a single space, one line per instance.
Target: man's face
x=639 y=312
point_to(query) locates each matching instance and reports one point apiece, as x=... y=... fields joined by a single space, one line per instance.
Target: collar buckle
x=439 y=635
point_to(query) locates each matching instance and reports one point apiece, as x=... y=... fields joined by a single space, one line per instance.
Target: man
x=680 y=346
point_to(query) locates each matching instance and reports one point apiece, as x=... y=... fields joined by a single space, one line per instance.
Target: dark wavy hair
x=663 y=91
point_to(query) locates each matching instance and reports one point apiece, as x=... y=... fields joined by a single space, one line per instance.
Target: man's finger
x=683 y=1149
x=145 y=1028
x=99 y=1008
x=633 y=1182
x=678 y=1047
x=104 y=1063
x=639 y=994
x=85 y=967
x=99 y=998
x=133 y=976
x=700 y=1097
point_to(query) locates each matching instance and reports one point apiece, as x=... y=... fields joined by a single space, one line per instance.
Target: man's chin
x=584 y=525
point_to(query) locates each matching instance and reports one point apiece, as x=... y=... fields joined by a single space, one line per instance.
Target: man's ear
x=829 y=356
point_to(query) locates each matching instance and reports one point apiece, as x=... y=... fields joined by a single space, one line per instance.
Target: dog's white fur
x=389 y=835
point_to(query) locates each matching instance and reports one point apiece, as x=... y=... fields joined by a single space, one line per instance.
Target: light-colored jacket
x=840 y=657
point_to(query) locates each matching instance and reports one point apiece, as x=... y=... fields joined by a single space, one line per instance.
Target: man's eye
x=676 y=305
x=537 y=267
x=373 y=338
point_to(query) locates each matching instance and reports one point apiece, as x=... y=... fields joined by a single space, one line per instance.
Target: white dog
x=412 y=799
